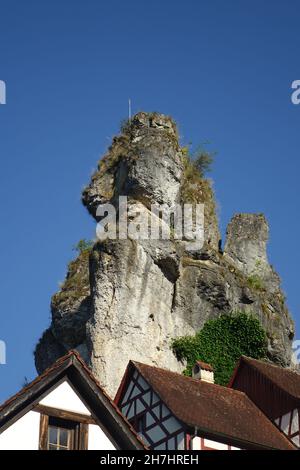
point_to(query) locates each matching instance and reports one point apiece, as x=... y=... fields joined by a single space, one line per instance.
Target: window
x=61 y=430
x=62 y=435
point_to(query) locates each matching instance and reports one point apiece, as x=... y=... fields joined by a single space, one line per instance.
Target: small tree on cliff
x=221 y=342
x=83 y=245
x=203 y=160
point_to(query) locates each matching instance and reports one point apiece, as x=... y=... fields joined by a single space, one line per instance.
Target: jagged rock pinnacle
x=127 y=299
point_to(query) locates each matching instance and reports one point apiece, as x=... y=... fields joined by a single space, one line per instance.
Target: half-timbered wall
x=289 y=425
x=151 y=418
x=155 y=423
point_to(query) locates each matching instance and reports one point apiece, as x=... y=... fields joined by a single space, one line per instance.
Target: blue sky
x=222 y=69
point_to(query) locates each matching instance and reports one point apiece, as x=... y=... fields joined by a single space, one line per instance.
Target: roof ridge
x=236 y=397
x=234 y=391
x=271 y=379
x=49 y=369
x=115 y=406
x=74 y=354
x=276 y=366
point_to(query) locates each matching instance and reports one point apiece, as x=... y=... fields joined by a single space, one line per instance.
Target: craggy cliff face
x=126 y=299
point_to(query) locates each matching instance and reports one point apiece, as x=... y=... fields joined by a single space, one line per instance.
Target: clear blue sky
x=223 y=69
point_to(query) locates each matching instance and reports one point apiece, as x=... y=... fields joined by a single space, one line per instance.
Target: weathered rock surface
x=47 y=350
x=126 y=299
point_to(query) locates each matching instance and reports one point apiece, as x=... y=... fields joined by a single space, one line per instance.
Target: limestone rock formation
x=126 y=299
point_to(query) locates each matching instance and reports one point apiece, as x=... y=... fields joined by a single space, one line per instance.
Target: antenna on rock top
x=129 y=109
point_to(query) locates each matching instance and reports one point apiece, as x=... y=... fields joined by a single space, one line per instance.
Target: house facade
x=172 y=412
x=65 y=409
x=275 y=390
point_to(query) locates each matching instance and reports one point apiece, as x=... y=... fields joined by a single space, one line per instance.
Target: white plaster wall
x=285 y=423
x=207 y=376
x=196 y=444
x=215 y=444
x=295 y=422
x=22 y=435
x=181 y=440
x=64 y=398
x=97 y=440
x=296 y=440
x=292 y=417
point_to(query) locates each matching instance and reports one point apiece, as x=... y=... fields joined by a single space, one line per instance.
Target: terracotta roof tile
x=286 y=379
x=210 y=407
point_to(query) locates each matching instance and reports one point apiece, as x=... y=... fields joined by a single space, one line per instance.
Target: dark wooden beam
x=43 y=440
x=83 y=436
x=63 y=414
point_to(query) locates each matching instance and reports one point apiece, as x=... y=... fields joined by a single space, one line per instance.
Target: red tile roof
x=286 y=379
x=214 y=409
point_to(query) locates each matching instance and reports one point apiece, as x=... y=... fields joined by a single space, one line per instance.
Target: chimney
x=203 y=371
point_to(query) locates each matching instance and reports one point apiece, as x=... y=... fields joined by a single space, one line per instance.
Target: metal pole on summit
x=129 y=109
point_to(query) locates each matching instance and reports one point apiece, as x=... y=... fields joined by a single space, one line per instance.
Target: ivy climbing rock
x=127 y=299
x=221 y=342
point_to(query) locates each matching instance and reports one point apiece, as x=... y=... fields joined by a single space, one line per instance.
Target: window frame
x=79 y=424
x=73 y=430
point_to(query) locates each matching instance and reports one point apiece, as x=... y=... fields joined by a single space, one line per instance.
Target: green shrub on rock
x=221 y=342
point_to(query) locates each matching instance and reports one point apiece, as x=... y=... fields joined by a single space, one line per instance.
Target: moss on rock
x=76 y=285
